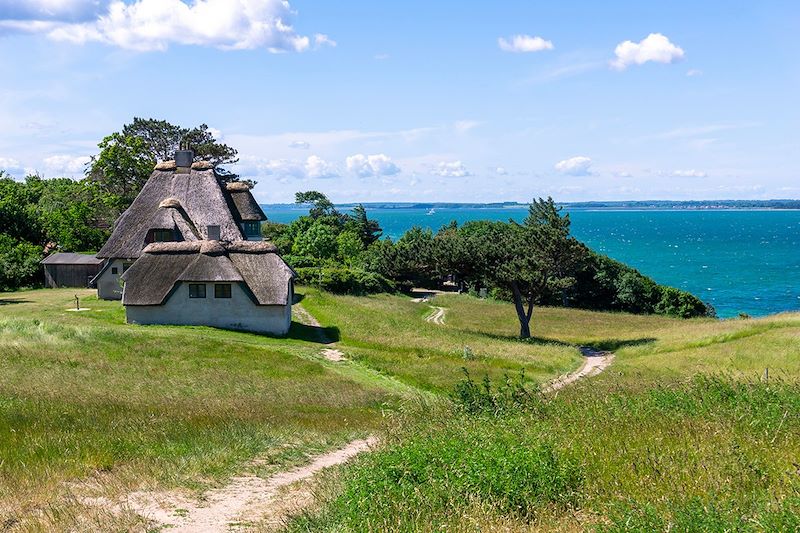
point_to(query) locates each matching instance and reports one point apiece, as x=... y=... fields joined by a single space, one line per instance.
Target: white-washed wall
x=236 y=312
x=109 y=286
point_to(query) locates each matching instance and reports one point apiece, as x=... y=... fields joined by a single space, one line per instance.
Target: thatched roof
x=202 y=165
x=243 y=205
x=156 y=274
x=185 y=202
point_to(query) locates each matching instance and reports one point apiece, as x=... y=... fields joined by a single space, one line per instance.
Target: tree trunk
x=524 y=318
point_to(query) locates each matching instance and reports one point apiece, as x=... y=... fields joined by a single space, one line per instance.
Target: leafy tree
x=18 y=218
x=320 y=205
x=19 y=263
x=319 y=242
x=537 y=258
x=72 y=214
x=349 y=246
x=368 y=230
x=122 y=167
x=163 y=139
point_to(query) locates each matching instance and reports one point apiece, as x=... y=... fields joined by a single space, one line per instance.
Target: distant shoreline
x=634 y=205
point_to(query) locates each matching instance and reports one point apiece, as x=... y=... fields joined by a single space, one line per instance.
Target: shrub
x=19 y=263
x=343 y=280
x=679 y=303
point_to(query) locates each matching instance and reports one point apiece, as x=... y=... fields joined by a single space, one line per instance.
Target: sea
x=739 y=261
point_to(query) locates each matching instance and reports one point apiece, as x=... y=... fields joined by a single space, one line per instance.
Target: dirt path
x=244 y=501
x=437 y=316
x=595 y=362
x=331 y=353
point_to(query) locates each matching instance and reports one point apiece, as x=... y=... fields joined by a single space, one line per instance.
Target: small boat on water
x=431 y=211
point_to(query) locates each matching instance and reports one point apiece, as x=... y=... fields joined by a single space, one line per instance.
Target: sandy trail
x=331 y=353
x=595 y=362
x=437 y=316
x=245 y=500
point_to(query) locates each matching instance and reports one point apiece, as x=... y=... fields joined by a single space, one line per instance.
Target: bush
x=680 y=303
x=19 y=263
x=343 y=280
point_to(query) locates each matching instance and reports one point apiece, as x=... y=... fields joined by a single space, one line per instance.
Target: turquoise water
x=739 y=261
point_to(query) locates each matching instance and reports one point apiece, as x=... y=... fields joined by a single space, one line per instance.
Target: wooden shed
x=70 y=270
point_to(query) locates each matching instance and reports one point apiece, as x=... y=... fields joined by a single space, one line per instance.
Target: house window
x=222 y=290
x=213 y=233
x=114 y=270
x=197 y=290
x=252 y=228
x=160 y=235
x=126 y=266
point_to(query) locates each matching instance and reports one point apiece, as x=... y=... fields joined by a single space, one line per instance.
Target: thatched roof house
x=236 y=285
x=188 y=251
x=178 y=203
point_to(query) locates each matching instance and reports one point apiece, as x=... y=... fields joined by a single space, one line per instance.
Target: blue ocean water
x=738 y=261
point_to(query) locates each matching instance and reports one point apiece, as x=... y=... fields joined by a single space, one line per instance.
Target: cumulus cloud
x=313 y=167
x=655 y=47
x=524 y=43
x=501 y=171
x=11 y=166
x=320 y=40
x=366 y=166
x=66 y=164
x=318 y=168
x=146 y=25
x=300 y=145
x=689 y=173
x=575 y=166
x=451 y=169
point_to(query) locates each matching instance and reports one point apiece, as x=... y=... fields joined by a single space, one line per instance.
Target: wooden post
x=77 y=303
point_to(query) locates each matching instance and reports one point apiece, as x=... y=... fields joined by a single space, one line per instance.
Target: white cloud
x=11 y=166
x=381 y=56
x=451 y=169
x=74 y=10
x=690 y=173
x=66 y=164
x=692 y=72
x=501 y=171
x=524 y=43
x=146 y=25
x=462 y=126
x=300 y=145
x=318 y=168
x=575 y=166
x=655 y=47
x=365 y=166
x=320 y=40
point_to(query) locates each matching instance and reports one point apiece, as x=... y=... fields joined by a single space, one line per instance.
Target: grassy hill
x=92 y=406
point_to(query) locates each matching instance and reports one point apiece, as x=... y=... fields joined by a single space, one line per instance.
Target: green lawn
x=682 y=433
x=681 y=430
x=85 y=396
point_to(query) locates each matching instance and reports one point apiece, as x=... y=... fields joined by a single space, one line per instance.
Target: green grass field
x=680 y=432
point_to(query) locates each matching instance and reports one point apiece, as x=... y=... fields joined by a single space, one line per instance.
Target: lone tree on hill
x=537 y=258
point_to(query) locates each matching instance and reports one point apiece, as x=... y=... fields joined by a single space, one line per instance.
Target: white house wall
x=109 y=286
x=236 y=312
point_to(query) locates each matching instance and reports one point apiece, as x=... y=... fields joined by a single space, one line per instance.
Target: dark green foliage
x=161 y=140
x=509 y=396
x=121 y=168
x=19 y=263
x=320 y=205
x=679 y=303
x=343 y=280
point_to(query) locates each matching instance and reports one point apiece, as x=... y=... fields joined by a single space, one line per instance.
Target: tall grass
x=708 y=454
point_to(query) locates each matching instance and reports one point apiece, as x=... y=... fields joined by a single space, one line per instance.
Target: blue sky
x=425 y=101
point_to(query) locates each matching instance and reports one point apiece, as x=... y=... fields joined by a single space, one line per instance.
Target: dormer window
x=160 y=235
x=251 y=229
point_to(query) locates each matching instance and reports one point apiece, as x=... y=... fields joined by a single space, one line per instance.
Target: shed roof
x=69 y=258
x=153 y=277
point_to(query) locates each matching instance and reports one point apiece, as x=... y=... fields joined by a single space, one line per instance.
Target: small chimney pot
x=184 y=158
